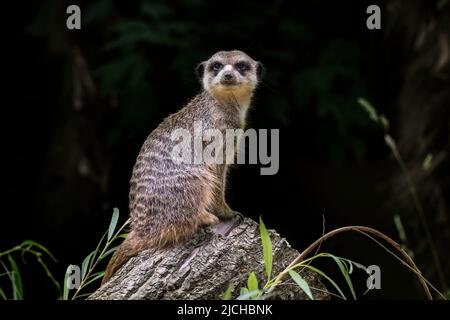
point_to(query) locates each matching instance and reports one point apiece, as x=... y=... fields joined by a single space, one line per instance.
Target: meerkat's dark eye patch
x=215 y=66
x=242 y=66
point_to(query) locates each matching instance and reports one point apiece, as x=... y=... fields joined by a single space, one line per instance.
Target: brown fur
x=168 y=202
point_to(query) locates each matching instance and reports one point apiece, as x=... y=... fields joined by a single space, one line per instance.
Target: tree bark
x=204 y=267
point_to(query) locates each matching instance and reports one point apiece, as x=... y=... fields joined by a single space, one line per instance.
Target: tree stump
x=204 y=267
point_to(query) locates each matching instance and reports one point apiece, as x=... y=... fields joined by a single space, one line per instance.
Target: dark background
x=78 y=105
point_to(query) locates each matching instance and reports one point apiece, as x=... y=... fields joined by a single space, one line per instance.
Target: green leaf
x=113 y=223
x=350 y=271
x=301 y=283
x=345 y=273
x=227 y=294
x=16 y=279
x=107 y=253
x=243 y=291
x=85 y=264
x=252 y=282
x=267 y=247
x=65 y=287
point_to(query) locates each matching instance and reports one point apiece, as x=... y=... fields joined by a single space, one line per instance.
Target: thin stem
x=100 y=257
x=7 y=252
x=419 y=208
x=332 y=233
x=405 y=264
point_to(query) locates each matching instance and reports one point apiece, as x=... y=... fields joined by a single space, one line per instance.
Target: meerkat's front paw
x=226 y=213
x=207 y=218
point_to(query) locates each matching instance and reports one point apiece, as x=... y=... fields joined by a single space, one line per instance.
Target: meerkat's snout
x=228 y=78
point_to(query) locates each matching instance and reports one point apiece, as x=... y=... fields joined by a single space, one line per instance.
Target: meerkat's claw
x=238 y=216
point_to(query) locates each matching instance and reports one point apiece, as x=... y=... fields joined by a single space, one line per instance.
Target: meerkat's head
x=230 y=76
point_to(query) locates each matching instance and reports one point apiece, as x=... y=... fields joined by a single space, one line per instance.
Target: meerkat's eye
x=216 y=66
x=242 y=66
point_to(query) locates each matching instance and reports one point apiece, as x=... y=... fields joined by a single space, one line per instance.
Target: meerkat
x=169 y=201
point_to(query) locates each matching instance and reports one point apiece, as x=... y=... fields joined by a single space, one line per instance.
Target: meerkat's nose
x=228 y=76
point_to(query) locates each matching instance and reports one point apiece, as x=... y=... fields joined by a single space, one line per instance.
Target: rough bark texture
x=203 y=267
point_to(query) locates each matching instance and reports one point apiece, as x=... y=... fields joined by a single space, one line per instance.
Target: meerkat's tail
x=129 y=248
x=163 y=238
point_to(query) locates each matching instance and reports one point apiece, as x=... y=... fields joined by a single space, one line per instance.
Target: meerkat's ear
x=200 y=69
x=260 y=70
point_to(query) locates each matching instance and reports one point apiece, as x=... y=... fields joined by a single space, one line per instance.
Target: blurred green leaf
x=427 y=162
x=369 y=109
x=400 y=229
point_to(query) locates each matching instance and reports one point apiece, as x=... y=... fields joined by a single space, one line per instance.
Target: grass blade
x=321 y=273
x=267 y=247
x=227 y=294
x=345 y=273
x=16 y=279
x=301 y=283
